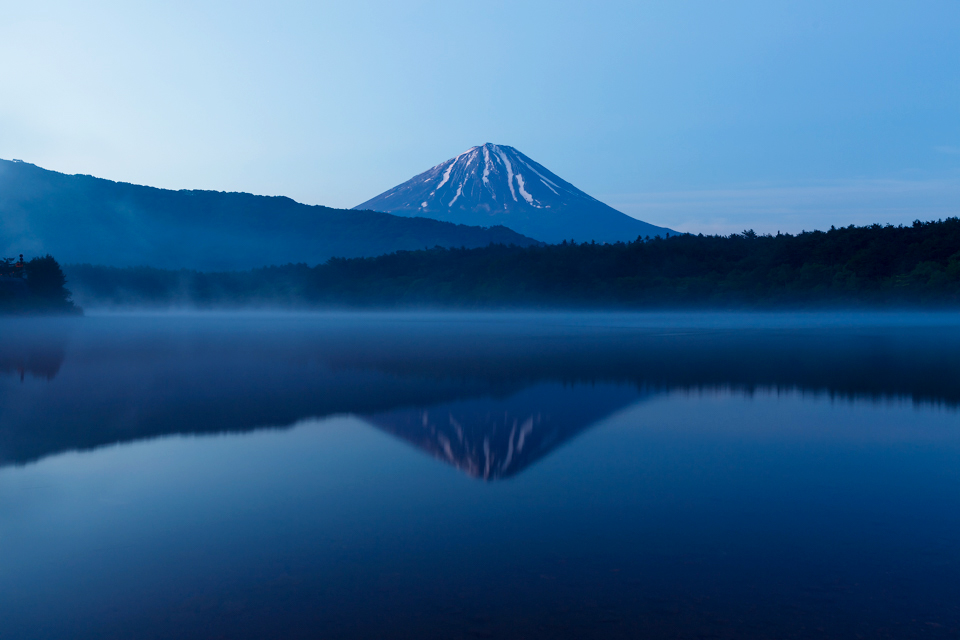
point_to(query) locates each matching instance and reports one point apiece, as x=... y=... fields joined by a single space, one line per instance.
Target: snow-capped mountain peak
x=496 y=184
x=499 y=171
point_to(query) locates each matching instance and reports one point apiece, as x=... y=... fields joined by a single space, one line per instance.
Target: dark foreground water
x=480 y=476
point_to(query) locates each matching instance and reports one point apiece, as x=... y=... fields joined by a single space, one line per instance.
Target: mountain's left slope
x=80 y=218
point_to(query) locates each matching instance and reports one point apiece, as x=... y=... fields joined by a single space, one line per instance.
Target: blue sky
x=700 y=116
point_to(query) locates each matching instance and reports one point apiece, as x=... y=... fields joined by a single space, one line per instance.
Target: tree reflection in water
x=490 y=395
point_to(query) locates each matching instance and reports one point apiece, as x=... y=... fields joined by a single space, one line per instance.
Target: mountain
x=82 y=219
x=497 y=185
x=493 y=438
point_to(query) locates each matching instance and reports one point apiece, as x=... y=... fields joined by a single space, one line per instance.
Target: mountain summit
x=497 y=185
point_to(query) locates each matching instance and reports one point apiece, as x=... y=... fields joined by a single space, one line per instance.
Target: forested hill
x=80 y=218
x=877 y=265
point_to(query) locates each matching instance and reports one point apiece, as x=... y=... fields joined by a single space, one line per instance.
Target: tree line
x=872 y=265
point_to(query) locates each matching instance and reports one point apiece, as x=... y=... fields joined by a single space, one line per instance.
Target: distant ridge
x=82 y=219
x=496 y=184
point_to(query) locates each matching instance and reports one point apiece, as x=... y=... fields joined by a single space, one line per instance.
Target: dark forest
x=871 y=266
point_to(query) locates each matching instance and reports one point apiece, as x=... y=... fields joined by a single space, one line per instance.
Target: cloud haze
x=794 y=208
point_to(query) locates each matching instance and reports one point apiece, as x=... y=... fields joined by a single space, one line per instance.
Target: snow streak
x=466 y=176
x=550 y=184
x=523 y=192
x=446 y=174
x=506 y=163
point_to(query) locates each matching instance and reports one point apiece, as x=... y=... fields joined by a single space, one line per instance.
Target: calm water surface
x=480 y=476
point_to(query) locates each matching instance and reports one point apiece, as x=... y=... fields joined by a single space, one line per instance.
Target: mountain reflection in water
x=488 y=395
x=494 y=438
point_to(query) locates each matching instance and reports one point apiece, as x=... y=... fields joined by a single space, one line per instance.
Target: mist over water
x=480 y=475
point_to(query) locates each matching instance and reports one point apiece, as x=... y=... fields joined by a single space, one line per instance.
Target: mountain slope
x=82 y=219
x=496 y=184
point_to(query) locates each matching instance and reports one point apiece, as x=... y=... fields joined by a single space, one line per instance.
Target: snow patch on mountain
x=523 y=192
x=509 y=167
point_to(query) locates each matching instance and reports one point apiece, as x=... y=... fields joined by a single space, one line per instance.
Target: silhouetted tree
x=47 y=284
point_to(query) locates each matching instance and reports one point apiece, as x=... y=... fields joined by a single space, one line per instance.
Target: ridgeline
x=80 y=219
x=872 y=266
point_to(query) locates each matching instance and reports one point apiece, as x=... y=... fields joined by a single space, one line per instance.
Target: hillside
x=81 y=219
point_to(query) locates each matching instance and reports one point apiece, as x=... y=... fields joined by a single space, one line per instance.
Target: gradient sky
x=700 y=116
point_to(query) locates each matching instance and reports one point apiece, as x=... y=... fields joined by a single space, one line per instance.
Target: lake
x=417 y=475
